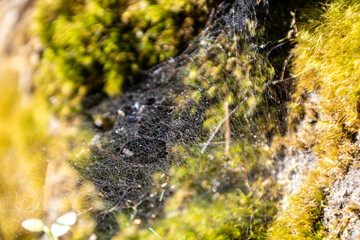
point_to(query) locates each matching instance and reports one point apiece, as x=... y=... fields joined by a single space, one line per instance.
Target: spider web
x=221 y=91
x=217 y=92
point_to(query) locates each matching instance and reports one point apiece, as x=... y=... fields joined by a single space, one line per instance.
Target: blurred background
x=24 y=123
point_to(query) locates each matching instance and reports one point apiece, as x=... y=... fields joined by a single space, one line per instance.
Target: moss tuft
x=327 y=96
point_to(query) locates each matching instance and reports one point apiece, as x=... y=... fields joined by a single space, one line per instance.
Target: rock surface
x=292 y=166
x=342 y=214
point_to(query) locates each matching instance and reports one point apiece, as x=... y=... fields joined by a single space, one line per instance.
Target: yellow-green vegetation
x=217 y=197
x=327 y=66
x=23 y=136
x=33 y=154
x=92 y=46
x=227 y=75
x=228 y=68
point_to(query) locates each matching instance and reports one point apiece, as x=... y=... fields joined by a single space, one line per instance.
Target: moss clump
x=327 y=61
x=216 y=198
x=92 y=46
x=326 y=64
x=301 y=217
x=227 y=75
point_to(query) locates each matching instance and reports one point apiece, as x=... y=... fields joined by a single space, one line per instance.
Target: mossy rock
x=93 y=46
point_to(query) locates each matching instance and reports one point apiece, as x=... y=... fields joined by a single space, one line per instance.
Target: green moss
x=302 y=217
x=216 y=198
x=327 y=61
x=93 y=46
x=326 y=65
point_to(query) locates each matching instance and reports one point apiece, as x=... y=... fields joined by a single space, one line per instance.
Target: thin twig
x=281 y=80
x=277 y=46
x=212 y=143
x=227 y=132
x=286 y=62
x=217 y=129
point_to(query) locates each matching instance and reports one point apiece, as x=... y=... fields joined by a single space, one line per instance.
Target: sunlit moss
x=217 y=196
x=326 y=66
x=327 y=61
x=93 y=46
